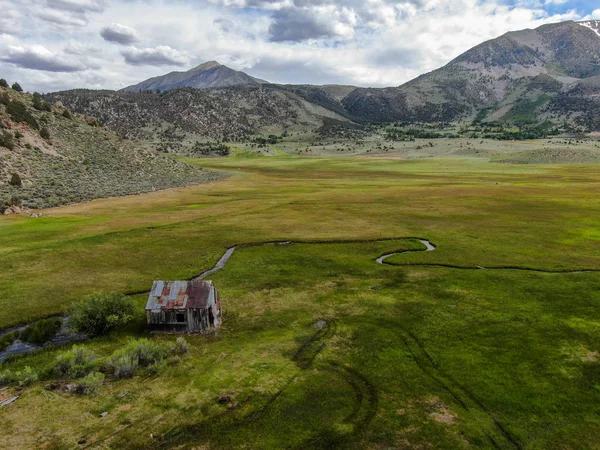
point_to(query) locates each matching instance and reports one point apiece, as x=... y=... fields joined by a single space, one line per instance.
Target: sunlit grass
x=435 y=355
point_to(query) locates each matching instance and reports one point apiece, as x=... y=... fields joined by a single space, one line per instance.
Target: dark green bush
x=18 y=112
x=37 y=101
x=7 y=140
x=17 y=87
x=67 y=114
x=15 y=180
x=45 y=133
x=76 y=363
x=3 y=83
x=40 y=104
x=42 y=330
x=101 y=313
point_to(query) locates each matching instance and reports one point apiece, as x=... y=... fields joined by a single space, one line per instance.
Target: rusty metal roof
x=180 y=295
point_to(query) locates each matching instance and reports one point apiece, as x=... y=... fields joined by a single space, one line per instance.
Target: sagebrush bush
x=17 y=87
x=42 y=330
x=137 y=353
x=90 y=384
x=146 y=352
x=3 y=83
x=99 y=314
x=122 y=364
x=181 y=346
x=45 y=133
x=21 y=378
x=75 y=363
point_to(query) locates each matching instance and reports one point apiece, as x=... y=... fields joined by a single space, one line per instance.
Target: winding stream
x=65 y=337
x=429 y=247
x=19 y=347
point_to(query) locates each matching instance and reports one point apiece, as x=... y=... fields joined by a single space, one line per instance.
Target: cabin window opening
x=180 y=317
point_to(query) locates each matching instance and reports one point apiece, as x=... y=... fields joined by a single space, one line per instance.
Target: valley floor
x=322 y=347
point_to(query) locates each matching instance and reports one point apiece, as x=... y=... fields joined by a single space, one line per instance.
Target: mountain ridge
x=210 y=74
x=522 y=77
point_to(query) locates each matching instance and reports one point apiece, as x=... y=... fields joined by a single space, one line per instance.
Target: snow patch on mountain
x=593 y=25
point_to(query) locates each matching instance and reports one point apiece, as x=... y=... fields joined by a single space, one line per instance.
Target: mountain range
x=549 y=75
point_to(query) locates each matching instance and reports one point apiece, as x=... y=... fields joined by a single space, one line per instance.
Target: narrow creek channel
x=64 y=336
x=429 y=247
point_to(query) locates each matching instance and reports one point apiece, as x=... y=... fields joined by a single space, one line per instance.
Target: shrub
x=4 y=98
x=67 y=114
x=21 y=378
x=7 y=140
x=90 y=384
x=146 y=352
x=26 y=376
x=18 y=134
x=37 y=101
x=101 y=313
x=6 y=378
x=40 y=104
x=42 y=330
x=181 y=346
x=76 y=363
x=3 y=83
x=122 y=365
x=45 y=133
x=155 y=369
x=138 y=353
x=8 y=339
x=15 y=180
x=18 y=112
x=17 y=87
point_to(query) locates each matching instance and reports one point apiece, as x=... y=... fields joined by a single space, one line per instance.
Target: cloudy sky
x=51 y=45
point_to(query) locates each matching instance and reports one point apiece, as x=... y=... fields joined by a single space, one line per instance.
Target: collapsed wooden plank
x=9 y=401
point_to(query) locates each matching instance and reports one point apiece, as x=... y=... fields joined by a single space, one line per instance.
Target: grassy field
x=321 y=347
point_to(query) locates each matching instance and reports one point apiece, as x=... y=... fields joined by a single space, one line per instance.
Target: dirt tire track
x=463 y=396
x=363 y=413
x=307 y=353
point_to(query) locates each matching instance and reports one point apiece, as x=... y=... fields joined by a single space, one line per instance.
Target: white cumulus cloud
x=37 y=57
x=162 y=55
x=119 y=34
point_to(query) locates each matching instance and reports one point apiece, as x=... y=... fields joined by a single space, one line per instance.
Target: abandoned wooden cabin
x=183 y=306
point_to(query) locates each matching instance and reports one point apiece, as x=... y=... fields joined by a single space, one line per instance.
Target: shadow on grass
x=363 y=408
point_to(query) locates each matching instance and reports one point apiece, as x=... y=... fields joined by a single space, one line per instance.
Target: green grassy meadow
x=322 y=347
